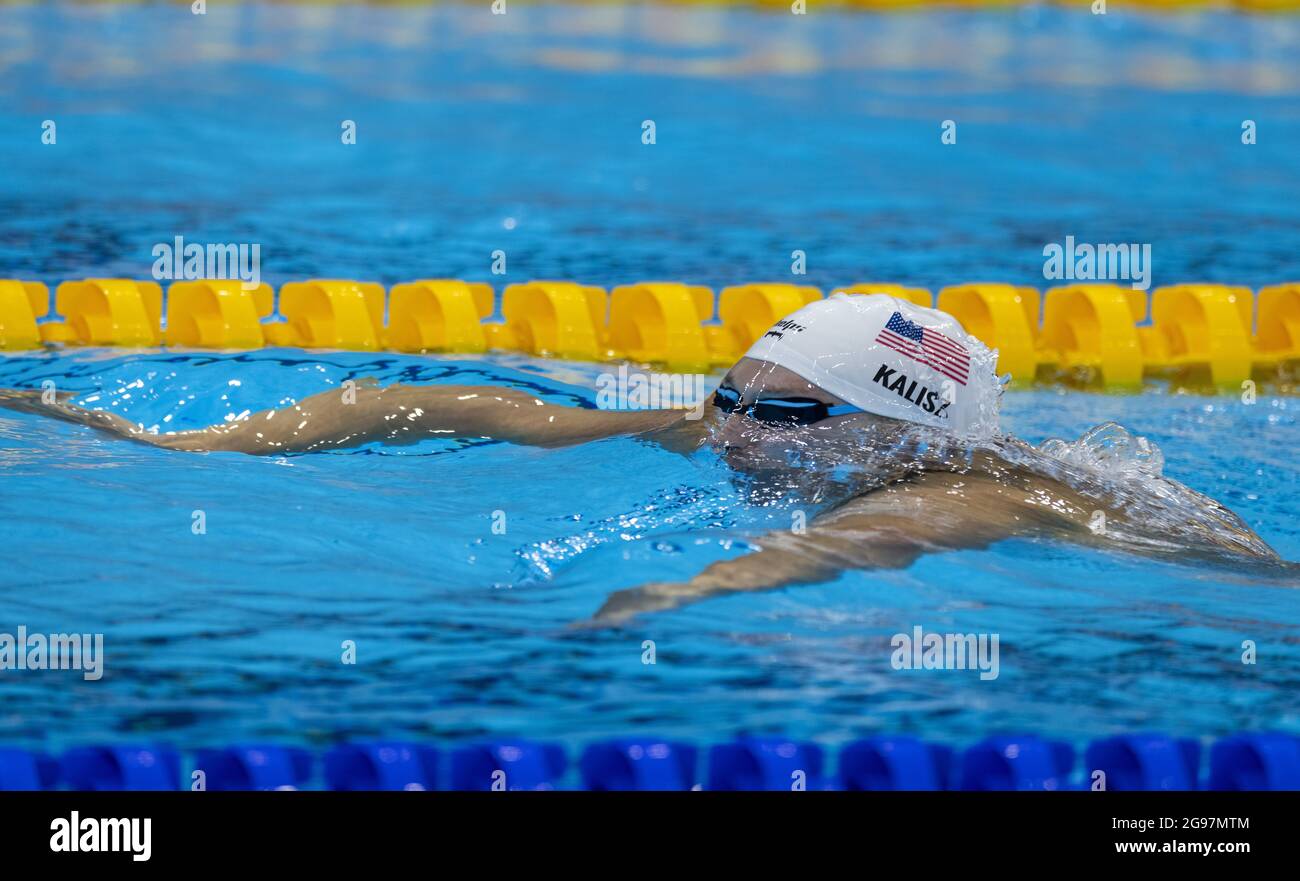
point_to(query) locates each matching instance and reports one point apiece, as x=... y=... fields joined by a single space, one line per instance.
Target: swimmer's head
x=845 y=384
x=853 y=355
x=768 y=416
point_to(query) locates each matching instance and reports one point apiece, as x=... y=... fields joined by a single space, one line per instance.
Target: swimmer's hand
x=58 y=405
x=32 y=400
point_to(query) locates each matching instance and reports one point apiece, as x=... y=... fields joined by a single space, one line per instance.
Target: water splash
x=673 y=509
x=1109 y=448
x=1123 y=473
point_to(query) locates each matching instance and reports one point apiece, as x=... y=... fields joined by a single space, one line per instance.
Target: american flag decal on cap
x=928 y=347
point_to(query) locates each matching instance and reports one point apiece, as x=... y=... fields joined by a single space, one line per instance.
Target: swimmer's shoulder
x=1013 y=503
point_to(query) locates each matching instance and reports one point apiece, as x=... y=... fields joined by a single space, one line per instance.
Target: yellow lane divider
x=664 y=322
x=440 y=315
x=332 y=314
x=21 y=303
x=1093 y=334
x=1201 y=329
x=1278 y=325
x=562 y=319
x=109 y=312
x=748 y=310
x=217 y=314
x=1093 y=328
x=1003 y=317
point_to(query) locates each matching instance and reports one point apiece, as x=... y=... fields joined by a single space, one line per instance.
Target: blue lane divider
x=508 y=765
x=121 y=767
x=1143 y=762
x=765 y=763
x=895 y=763
x=254 y=766
x=21 y=770
x=630 y=764
x=382 y=765
x=1019 y=762
x=1256 y=761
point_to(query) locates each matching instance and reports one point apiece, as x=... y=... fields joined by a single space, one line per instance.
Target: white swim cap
x=890 y=357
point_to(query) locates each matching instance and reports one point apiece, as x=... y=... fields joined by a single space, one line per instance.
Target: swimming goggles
x=779 y=411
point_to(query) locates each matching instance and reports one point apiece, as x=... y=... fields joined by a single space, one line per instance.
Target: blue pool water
x=522 y=133
x=461 y=632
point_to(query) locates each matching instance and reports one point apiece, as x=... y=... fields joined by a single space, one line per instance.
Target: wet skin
x=887 y=526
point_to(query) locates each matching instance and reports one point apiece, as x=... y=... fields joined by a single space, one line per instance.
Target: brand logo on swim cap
x=781 y=328
x=914 y=393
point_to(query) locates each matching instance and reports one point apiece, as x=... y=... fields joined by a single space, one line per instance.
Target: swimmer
x=881 y=413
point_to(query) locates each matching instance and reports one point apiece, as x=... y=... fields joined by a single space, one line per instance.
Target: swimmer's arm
x=396 y=414
x=781 y=561
x=936 y=513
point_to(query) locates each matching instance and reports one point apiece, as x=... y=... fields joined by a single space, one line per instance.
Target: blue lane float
x=894 y=764
x=1020 y=762
x=381 y=765
x=642 y=765
x=30 y=771
x=1255 y=762
x=250 y=767
x=765 y=763
x=508 y=765
x=116 y=768
x=1145 y=761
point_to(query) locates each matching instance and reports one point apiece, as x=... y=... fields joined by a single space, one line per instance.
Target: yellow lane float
x=747 y=311
x=217 y=314
x=1003 y=317
x=1200 y=332
x=1277 y=339
x=21 y=303
x=663 y=323
x=557 y=318
x=1093 y=328
x=110 y=312
x=331 y=314
x=440 y=315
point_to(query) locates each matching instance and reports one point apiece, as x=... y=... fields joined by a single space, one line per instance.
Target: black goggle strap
x=795 y=410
